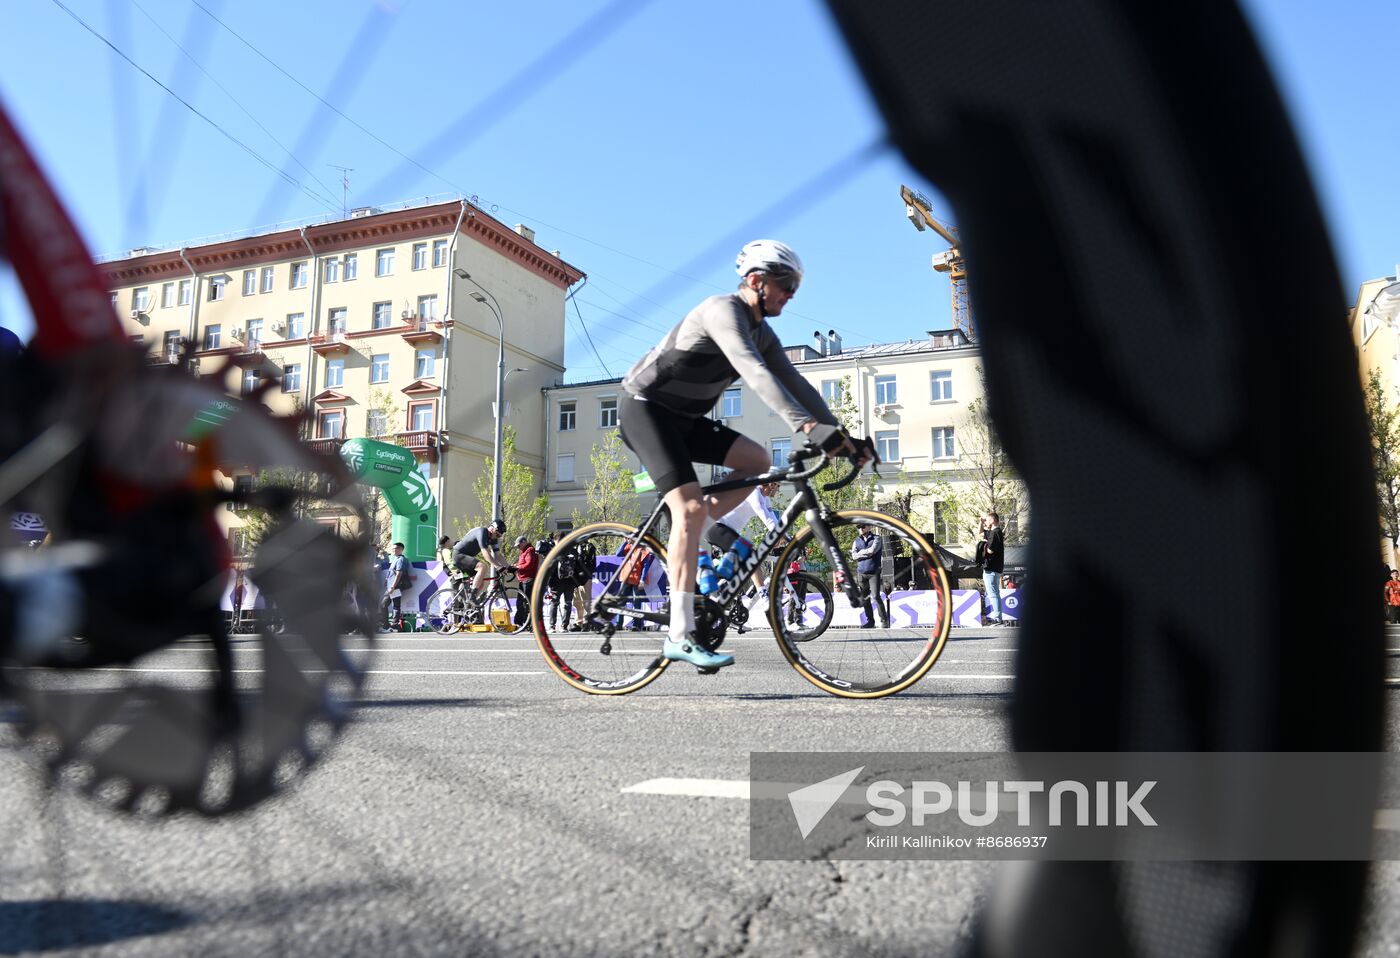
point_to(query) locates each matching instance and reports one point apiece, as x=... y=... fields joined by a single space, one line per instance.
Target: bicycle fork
x=844 y=579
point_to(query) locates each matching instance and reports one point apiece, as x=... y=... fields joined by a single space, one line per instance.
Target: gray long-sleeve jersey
x=714 y=345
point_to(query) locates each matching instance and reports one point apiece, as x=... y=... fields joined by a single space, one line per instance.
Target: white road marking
x=692 y=787
x=160 y=671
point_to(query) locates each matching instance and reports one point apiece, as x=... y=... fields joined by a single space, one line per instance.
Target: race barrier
x=908 y=608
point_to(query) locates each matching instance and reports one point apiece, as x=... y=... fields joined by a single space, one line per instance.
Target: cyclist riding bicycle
x=480 y=541
x=671 y=391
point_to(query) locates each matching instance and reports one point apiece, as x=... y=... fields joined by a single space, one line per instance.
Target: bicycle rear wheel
x=590 y=662
x=442 y=613
x=871 y=663
x=803 y=606
x=503 y=602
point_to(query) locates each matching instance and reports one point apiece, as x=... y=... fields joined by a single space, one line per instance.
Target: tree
x=994 y=484
x=860 y=494
x=526 y=512
x=610 y=494
x=1384 y=421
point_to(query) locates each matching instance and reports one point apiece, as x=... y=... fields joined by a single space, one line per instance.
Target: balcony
x=422 y=331
x=329 y=344
x=422 y=443
x=249 y=353
x=325 y=447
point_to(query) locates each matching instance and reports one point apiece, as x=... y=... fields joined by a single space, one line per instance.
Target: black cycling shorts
x=667 y=444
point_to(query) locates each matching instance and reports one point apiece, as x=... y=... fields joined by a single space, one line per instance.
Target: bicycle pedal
x=706 y=671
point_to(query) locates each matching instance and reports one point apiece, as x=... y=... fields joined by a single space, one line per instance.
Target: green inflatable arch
x=394 y=471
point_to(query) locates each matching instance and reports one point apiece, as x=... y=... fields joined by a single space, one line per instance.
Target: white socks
x=682 y=615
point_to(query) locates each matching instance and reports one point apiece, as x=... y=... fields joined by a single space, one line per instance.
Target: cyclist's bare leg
x=745 y=458
x=479 y=580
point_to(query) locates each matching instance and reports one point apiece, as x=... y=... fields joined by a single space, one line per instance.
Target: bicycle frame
x=805 y=502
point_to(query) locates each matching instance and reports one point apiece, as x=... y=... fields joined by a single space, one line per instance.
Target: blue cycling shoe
x=688 y=650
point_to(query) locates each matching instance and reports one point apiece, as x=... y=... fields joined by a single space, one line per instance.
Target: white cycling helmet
x=770 y=256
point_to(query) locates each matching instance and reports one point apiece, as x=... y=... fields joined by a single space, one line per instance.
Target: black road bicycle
x=806 y=602
x=452 y=607
x=853 y=663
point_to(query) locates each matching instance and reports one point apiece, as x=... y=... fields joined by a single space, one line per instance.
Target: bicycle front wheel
x=500 y=608
x=873 y=662
x=590 y=662
x=803 y=605
x=443 y=616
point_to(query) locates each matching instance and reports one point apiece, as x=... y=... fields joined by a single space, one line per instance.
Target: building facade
x=367 y=323
x=912 y=398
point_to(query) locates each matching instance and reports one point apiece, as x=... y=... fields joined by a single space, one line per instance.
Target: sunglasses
x=787 y=282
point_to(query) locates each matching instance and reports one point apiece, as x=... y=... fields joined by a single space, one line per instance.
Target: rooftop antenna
x=345 y=172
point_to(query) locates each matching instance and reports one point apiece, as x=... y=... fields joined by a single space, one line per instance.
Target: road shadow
x=51 y=924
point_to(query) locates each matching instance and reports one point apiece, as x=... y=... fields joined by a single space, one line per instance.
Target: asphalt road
x=481 y=806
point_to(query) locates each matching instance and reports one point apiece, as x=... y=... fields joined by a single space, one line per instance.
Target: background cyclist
x=479 y=542
x=671 y=391
x=756 y=505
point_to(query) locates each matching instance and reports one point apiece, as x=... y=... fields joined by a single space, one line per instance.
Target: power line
x=541 y=70
x=233 y=139
x=236 y=102
x=324 y=102
x=583 y=326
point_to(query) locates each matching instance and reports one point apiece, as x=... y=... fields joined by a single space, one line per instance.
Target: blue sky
x=645 y=139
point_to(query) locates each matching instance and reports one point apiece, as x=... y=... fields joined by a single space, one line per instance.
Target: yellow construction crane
x=950 y=261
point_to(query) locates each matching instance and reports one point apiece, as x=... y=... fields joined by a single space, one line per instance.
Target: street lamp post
x=494 y=306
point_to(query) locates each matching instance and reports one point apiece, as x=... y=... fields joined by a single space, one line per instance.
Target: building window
x=420 y=416
x=427 y=307
x=167 y=296
x=943 y=444
x=382 y=315
x=267 y=279
x=171 y=345
x=607 y=413
x=216 y=288
x=335 y=373
x=439 y=252
x=336 y=322
x=141 y=298
x=185 y=287
x=114 y=300
x=291 y=378
x=885 y=392
x=780 y=449
x=250 y=380
x=941 y=385
x=568 y=416
x=330 y=271
x=296 y=325
x=329 y=423
x=352 y=266
x=384 y=262
x=250 y=282
x=731 y=404
x=423 y=363
x=831 y=391
x=211 y=336
x=420 y=255
x=563 y=527
x=254 y=333
x=299 y=271
x=379 y=368
x=564 y=468
x=887 y=445
x=376 y=423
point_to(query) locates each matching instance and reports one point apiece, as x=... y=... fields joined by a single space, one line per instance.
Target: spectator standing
x=1392 y=598
x=527 y=567
x=395 y=581
x=992 y=552
x=869 y=553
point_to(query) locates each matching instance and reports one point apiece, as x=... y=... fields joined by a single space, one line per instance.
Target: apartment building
x=1375 y=331
x=911 y=397
x=368 y=323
